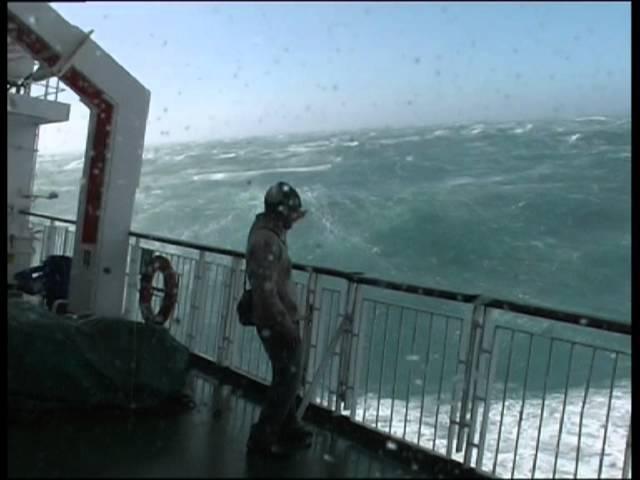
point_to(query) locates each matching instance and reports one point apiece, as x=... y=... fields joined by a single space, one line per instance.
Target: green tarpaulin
x=56 y=361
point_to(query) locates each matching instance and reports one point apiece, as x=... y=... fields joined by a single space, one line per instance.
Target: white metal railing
x=508 y=389
x=49 y=89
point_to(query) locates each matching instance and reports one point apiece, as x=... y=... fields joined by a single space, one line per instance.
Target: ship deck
x=205 y=440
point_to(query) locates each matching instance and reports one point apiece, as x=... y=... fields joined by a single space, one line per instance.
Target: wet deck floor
x=205 y=441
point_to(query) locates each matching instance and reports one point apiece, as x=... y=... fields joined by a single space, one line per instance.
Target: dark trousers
x=279 y=409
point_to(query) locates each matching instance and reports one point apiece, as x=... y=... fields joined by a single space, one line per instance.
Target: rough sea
x=532 y=211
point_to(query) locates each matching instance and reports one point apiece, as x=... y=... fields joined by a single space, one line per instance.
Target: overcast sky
x=218 y=70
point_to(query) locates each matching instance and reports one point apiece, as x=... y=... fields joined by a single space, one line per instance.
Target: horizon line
x=240 y=137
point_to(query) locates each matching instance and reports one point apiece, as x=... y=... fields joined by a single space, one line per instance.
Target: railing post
x=43 y=242
x=344 y=327
x=227 y=324
x=324 y=363
x=493 y=351
x=460 y=418
x=198 y=294
x=132 y=282
x=455 y=416
x=346 y=367
x=309 y=320
x=470 y=361
x=626 y=467
x=67 y=230
x=357 y=357
x=479 y=368
x=48 y=238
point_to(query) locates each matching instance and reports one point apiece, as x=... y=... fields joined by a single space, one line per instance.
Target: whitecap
x=216 y=176
x=309 y=146
x=227 y=155
x=524 y=129
x=393 y=141
x=476 y=129
x=575 y=137
x=182 y=156
x=494 y=178
x=73 y=165
x=388 y=141
x=414 y=416
x=591 y=119
x=438 y=133
x=459 y=181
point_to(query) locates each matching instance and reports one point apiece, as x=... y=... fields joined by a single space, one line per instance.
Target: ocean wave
x=465 y=180
x=310 y=146
x=554 y=449
x=182 y=156
x=524 y=129
x=393 y=141
x=438 y=133
x=217 y=176
x=475 y=129
x=545 y=172
x=574 y=137
x=591 y=119
x=222 y=156
x=73 y=165
x=454 y=182
x=622 y=155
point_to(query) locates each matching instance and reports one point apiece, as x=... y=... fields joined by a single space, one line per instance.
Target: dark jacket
x=269 y=274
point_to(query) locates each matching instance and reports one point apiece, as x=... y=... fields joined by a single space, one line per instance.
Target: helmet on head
x=283 y=199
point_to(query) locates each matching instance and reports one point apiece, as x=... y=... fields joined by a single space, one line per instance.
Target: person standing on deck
x=275 y=314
